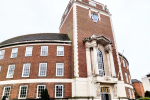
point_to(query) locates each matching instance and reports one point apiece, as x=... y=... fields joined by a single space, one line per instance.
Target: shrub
x=147 y=94
x=44 y=95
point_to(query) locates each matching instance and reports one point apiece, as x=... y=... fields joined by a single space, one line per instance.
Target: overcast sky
x=131 y=20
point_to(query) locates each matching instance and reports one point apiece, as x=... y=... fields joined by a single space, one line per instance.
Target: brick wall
x=139 y=89
x=35 y=59
x=86 y=28
x=32 y=90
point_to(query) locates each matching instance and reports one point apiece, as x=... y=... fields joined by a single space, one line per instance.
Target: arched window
x=100 y=63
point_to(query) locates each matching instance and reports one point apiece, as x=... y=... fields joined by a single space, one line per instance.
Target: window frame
x=123 y=63
x=9 y=69
x=4 y=91
x=42 y=49
x=23 y=69
x=62 y=91
x=2 y=53
x=40 y=70
x=57 y=50
x=14 y=52
x=20 y=91
x=27 y=55
x=129 y=92
x=126 y=75
x=62 y=69
x=38 y=88
x=0 y=68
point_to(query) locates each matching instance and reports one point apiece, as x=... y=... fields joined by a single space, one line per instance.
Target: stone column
x=94 y=60
x=109 y=50
x=88 y=59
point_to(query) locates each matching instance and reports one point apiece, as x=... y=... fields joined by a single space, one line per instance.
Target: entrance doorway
x=105 y=93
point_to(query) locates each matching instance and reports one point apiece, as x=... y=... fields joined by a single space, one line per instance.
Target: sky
x=131 y=22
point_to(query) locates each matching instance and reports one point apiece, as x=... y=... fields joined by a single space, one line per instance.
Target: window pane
x=129 y=93
x=23 y=92
x=100 y=63
x=26 y=70
x=126 y=77
x=58 y=91
x=6 y=91
x=60 y=50
x=14 y=52
x=59 y=69
x=28 y=51
x=10 y=71
x=42 y=69
x=40 y=88
x=44 y=50
x=0 y=68
x=2 y=52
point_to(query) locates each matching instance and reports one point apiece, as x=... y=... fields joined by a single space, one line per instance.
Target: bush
x=145 y=98
x=147 y=94
x=4 y=97
x=44 y=95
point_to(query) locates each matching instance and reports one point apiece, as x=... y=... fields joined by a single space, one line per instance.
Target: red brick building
x=138 y=87
x=81 y=61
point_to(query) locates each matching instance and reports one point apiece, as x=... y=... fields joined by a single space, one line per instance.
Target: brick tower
x=96 y=63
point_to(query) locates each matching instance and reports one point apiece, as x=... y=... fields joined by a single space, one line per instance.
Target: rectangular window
x=26 y=70
x=59 y=69
x=10 y=71
x=126 y=78
x=133 y=94
x=92 y=4
x=2 y=52
x=124 y=64
x=23 y=92
x=42 y=69
x=6 y=91
x=40 y=88
x=28 y=51
x=149 y=80
x=60 y=50
x=0 y=68
x=58 y=91
x=14 y=52
x=130 y=79
x=44 y=50
x=129 y=93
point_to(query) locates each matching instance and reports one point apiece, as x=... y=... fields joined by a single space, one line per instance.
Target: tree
x=44 y=95
x=147 y=94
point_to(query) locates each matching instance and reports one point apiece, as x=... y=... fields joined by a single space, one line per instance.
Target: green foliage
x=147 y=94
x=145 y=98
x=45 y=95
x=4 y=97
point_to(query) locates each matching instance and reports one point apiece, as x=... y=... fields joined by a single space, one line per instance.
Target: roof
x=123 y=57
x=135 y=81
x=37 y=38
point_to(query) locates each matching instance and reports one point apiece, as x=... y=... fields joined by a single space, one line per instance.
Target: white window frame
x=60 y=67
x=124 y=64
x=58 y=51
x=13 y=52
x=38 y=91
x=23 y=70
x=0 y=68
x=20 y=91
x=45 y=50
x=40 y=69
x=2 y=53
x=126 y=77
x=28 y=51
x=55 y=91
x=129 y=91
x=133 y=94
x=5 y=91
x=130 y=79
x=9 y=72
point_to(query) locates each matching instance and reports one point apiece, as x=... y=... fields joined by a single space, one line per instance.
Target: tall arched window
x=100 y=63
